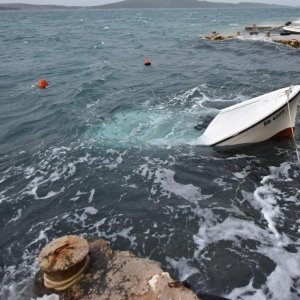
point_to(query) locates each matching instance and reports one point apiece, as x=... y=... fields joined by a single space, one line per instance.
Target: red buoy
x=147 y=61
x=42 y=83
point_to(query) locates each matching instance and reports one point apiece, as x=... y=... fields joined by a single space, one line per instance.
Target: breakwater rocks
x=290 y=40
x=75 y=269
x=214 y=36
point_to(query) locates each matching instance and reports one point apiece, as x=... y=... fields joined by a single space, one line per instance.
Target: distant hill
x=142 y=4
x=179 y=4
x=163 y=4
x=252 y=4
x=23 y=6
x=8 y=8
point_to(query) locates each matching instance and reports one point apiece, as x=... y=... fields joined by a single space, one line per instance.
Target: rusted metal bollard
x=63 y=261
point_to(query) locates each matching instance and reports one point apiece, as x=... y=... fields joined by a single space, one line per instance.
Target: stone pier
x=74 y=269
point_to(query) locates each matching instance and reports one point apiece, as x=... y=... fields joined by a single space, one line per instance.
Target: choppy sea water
x=109 y=149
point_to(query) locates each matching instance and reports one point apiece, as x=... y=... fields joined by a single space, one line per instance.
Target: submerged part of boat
x=268 y=116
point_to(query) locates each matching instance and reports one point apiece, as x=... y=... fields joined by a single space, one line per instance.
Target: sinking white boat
x=268 y=116
x=295 y=29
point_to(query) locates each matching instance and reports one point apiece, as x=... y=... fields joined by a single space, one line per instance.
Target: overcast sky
x=99 y=2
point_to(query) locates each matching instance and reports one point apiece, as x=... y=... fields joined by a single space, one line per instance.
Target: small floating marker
x=147 y=61
x=63 y=261
x=42 y=83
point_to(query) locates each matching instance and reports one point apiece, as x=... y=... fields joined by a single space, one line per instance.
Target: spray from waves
x=259 y=38
x=272 y=239
x=167 y=123
x=275 y=237
x=279 y=241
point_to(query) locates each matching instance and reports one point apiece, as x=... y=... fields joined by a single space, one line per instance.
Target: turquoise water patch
x=127 y=128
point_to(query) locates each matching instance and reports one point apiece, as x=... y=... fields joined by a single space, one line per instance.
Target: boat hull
x=291 y=29
x=277 y=125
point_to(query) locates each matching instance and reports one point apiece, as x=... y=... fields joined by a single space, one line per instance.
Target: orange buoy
x=42 y=83
x=147 y=61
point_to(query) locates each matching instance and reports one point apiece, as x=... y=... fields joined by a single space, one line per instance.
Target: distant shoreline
x=146 y=4
x=8 y=8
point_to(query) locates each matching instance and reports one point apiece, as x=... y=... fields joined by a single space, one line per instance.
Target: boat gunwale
x=247 y=102
x=246 y=129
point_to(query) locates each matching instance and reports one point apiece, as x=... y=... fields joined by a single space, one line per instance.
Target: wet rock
x=119 y=275
x=214 y=36
x=290 y=42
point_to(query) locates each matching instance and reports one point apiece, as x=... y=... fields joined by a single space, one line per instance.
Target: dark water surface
x=109 y=149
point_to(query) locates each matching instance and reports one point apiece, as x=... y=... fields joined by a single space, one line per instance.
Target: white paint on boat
x=255 y=120
x=292 y=29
